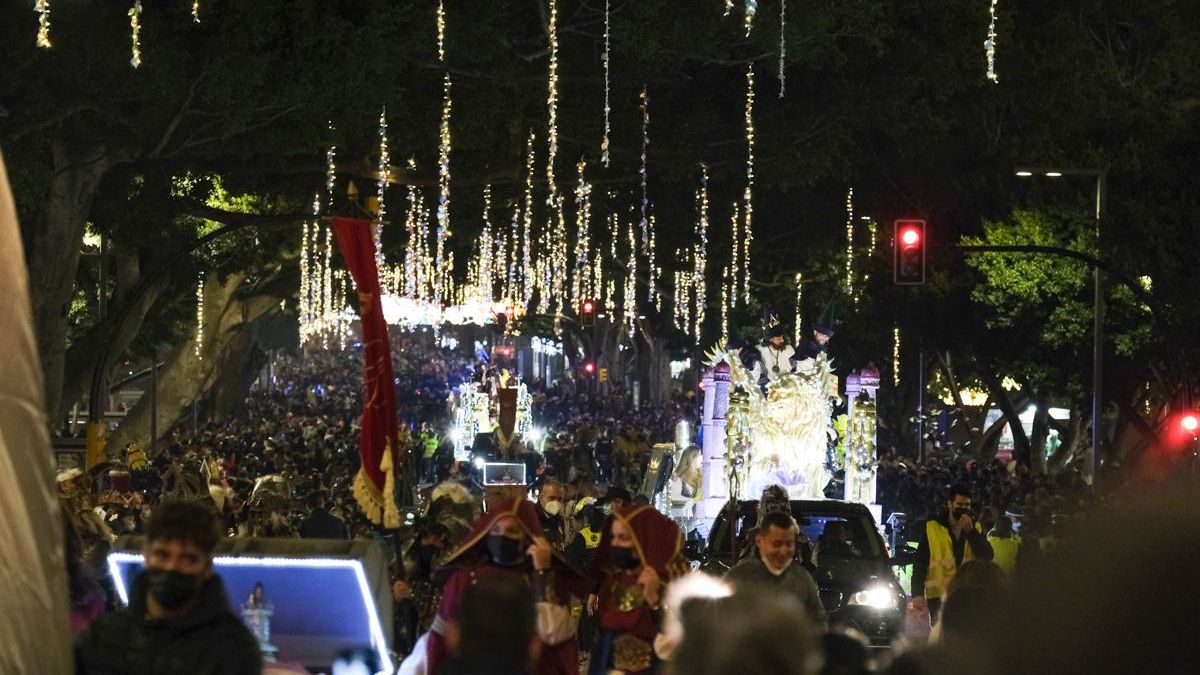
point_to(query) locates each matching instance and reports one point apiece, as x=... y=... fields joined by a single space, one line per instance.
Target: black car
x=847 y=558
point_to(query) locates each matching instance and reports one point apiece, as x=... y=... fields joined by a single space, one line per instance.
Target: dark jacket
x=321 y=524
x=480 y=666
x=209 y=641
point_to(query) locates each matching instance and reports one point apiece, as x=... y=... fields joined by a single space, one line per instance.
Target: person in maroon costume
x=508 y=541
x=641 y=551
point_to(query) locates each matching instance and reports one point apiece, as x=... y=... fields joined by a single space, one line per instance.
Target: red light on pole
x=587 y=312
x=589 y=367
x=1190 y=422
x=909 y=252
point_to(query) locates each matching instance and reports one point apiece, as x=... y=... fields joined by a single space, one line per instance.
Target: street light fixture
x=1101 y=176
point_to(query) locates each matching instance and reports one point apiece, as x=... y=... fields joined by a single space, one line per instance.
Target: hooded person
x=810 y=348
x=640 y=552
x=508 y=542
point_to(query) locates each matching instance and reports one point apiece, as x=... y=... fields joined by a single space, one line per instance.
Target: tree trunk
x=52 y=249
x=228 y=320
x=1021 y=446
x=81 y=357
x=1041 y=432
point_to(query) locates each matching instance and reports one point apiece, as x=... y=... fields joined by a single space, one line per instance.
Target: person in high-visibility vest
x=948 y=541
x=1006 y=545
x=430 y=441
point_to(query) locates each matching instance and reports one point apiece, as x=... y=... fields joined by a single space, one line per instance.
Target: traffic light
x=1189 y=422
x=589 y=368
x=909 y=256
x=587 y=312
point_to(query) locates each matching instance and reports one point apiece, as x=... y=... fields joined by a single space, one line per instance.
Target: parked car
x=847 y=558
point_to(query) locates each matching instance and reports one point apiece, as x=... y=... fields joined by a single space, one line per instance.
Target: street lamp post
x=1101 y=176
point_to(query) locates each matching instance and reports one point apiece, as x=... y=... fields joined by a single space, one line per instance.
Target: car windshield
x=842 y=536
x=847 y=536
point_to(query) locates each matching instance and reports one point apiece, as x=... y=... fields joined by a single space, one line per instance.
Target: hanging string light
x=527 y=272
x=653 y=295
x=896 y=355
x=42 y=7
x=381 y=186
x=748 y=230
x=701 y=254
x=199 y=346
x=135 y=29
x=751 y=10
x=630 y=294
x=850 y=242
x=724 y=306
x=782 y=45
x=583 y=216
x=607 y=109
x=441 y=31
x=866 y=272
x=735 y=248
x=799 y=305
x=989 y=45
x=610 y=300
x=552 y=114
x=728 y=7
x=443 y=207
x=644 y=223
x=196 y=11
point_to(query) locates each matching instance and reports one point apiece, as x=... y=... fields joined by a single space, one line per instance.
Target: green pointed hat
x=824 y=325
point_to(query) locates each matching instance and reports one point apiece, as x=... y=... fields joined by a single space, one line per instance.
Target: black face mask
x=172 y=589
x=426 y=553
x=625 y=558
x=504 y=551
x=960 y=512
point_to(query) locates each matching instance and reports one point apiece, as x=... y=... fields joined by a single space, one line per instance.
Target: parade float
x=499 y=405
x=756 y=435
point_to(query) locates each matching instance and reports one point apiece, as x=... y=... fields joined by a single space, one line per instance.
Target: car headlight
x=877 y=597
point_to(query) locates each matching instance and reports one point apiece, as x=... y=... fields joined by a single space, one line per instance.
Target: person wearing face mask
x=508 y=542
x=179 y=619
x=640 y=552
x=949 y=540
x=550 y=513
x=414 y=593
x=775 y=569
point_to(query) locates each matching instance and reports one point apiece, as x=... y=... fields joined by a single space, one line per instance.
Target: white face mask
x=552 y=508
x=774 y=570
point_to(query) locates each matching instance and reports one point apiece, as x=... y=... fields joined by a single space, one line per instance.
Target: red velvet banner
x=374 y=486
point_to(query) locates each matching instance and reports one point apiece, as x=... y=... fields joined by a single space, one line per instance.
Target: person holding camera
x=949 y=540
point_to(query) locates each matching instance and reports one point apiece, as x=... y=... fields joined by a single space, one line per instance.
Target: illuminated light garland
x=735 y=247
x=748 y=196
x=644 y=223
x=751 y=10
x=701 y=254
x=866 y=278
x=549 y=276
x=200 y=316
x=135 y=29
x=782 y=45
x=850 y=242
x=989 y=45
x=724 y=306
x=652 y=268
x=381 y=185
x=527 y=271
x=441 y=31
x=630 y=294
x=558 y=257
x=580 y=288
x=728 y=7
x=196 y=11
x=443 y=207
x=896 y=356
x=610 y=301
x=42 y=7
x=607 y=108
x=799 y=305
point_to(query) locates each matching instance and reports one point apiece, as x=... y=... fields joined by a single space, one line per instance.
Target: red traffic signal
x=1189 y=422
x=909 y=253
x=589 y=367
x=587 y=312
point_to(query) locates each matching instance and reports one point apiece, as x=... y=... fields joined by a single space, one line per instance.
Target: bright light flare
x=910 y=237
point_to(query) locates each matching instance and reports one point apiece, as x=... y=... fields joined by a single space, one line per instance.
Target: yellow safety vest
x=941 y=558
x=590 y=539
x=1004 y=552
